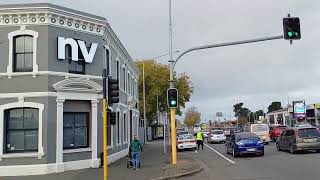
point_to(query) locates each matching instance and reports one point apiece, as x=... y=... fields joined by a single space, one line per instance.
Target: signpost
x=299 y=109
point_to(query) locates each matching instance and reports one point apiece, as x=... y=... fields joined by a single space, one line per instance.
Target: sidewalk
x=154 y=165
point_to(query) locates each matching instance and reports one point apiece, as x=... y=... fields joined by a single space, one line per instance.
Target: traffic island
x=186 y=165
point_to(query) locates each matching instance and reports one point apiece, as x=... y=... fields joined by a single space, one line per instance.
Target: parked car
x=299 y=139
x=244 y=143
x=216 y=136
x=275 y=131
x=261 y=130
x=182 y=133
x=186 y=141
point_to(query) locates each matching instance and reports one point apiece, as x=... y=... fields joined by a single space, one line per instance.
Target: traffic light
x=172 y=97
x=112 y=117
x=113 y=91
x=291 y=28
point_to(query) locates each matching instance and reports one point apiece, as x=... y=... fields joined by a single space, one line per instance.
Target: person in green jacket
x=136 y=148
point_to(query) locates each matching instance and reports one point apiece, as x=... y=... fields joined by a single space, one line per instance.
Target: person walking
x=136 y=148
x=199 y=138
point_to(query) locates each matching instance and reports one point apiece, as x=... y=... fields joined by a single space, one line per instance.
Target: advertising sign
x=219 y=114
x=299 y=109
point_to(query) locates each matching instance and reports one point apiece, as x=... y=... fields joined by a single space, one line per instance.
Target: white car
x=186 y=141
x=205 y=134
x=216 y=136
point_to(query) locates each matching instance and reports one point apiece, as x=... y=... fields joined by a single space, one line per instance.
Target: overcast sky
x=255 y=74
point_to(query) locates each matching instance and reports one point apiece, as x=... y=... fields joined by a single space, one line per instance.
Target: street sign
x=299 y=109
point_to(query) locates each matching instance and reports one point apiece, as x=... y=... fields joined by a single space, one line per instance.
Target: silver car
x=216 y=136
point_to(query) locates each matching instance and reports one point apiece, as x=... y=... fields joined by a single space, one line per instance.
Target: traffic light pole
x=222 y=45
x=104 y=106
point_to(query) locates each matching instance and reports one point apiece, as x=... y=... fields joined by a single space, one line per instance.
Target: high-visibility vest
x=199 y=136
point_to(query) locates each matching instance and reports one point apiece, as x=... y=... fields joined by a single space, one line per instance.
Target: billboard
x=219 y=114
x=299 y=109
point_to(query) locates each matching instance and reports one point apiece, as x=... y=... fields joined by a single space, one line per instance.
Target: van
x=261 y=130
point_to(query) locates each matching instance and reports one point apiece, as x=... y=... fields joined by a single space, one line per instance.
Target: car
x=260 y=129
x=299 y=139
x=216 y=136
x=303 y=125
x=182 y=133
x=275 y=131
x=244 y=143
x=205 y=133
x=186 y=141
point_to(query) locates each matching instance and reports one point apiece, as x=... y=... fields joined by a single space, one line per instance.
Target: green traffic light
x=296 y=33
x=173 y=102
x=290 y=34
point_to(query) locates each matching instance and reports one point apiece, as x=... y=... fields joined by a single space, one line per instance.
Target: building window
x=117 y=74
x=108 y=61
x=125 y=127
x=22 y=129
x=118 y=127
x=75 y=130
x=23 y=53
x=124 y=79
x=128 y=84
x=75 y=67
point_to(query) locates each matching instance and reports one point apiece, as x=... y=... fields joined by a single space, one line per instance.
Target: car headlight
x=259 y=142
x=239 y=143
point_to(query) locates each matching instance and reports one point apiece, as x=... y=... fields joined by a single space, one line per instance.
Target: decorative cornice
x=49 y=16
x=77 y=85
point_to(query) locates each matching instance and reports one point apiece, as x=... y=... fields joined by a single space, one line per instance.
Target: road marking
x=220 y=154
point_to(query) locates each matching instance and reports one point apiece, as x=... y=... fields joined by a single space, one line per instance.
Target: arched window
x=23 y=53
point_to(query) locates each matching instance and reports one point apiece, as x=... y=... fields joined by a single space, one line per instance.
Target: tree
x=192 y=117
x=156 y=83
x=274 y=106
x=240 y=111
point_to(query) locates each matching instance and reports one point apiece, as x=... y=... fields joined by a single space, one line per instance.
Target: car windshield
x=217 y=132
x=307 y=133
x=245 y=136
x=182 y=132
x=260 y=128
x=185 y=137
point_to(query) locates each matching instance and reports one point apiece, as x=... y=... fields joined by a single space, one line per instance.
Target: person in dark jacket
x=136 y=149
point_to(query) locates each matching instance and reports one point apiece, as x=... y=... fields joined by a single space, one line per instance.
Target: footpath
x=155 y=165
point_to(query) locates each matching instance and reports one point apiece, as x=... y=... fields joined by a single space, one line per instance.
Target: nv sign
x=75 y=44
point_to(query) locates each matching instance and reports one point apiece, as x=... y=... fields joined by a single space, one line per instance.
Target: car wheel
x=318 y=150
x=234 y=154
x=278 y=147
x=291 y=150
x=262 y=154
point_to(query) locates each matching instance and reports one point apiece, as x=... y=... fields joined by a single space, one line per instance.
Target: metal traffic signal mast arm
x=225 y=44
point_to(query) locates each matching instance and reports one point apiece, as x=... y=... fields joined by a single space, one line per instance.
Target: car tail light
x=193 y=141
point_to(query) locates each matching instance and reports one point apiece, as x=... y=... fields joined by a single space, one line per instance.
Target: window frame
x=11 y=35
x=6 y=122
x=80 y=62
x=15 y=54
x=87 y=114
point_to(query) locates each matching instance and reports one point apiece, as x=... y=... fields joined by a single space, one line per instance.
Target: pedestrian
x=199 y=138
x=136 y=148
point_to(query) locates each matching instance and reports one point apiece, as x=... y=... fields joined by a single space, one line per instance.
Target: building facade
x=51 y=90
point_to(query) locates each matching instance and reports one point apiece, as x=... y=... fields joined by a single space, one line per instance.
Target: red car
x=275 y=131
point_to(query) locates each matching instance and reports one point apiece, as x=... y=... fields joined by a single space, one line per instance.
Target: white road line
x=220 y=154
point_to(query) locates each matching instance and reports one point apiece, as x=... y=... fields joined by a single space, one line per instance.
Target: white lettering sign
x=88 y=56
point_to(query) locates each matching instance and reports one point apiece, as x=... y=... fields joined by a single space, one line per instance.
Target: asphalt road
x=273 y=165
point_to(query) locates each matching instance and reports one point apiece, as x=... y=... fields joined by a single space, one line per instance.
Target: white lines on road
x=220 y=154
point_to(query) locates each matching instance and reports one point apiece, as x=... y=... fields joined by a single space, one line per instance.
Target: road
x=273 y=165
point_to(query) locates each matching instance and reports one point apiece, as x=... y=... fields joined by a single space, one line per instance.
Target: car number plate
x=251 y=149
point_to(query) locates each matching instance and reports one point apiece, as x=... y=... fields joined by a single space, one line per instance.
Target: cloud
x=255 y=74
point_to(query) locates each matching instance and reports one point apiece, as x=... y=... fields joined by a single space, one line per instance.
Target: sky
x=255 y=74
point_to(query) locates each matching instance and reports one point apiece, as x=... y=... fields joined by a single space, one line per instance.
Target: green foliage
x=240 y=111
x=274 y=106
x=157 y=83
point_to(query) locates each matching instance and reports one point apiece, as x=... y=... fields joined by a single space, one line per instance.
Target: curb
x=181 y=174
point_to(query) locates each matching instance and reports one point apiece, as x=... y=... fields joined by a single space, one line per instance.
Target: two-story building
x=51 y=62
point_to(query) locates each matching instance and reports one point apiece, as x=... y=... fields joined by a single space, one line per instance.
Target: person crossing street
x=199 y=138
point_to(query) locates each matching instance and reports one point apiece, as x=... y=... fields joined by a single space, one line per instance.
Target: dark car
x=275 y=131
x=244 y=143
x=299 y=139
